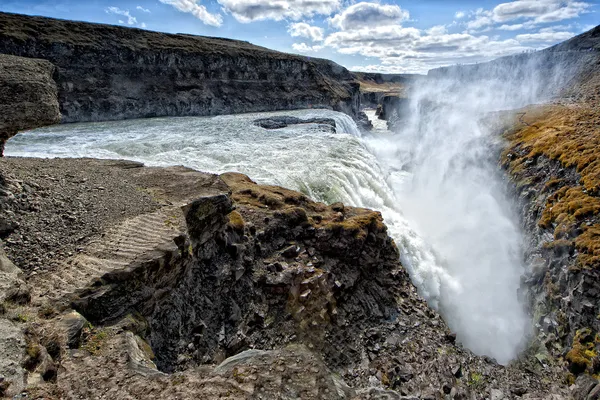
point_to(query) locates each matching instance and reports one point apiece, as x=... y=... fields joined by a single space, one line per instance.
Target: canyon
x=125 y=280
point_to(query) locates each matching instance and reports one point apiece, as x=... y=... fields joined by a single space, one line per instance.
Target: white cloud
x=304 y=48
x=544 y=37
x=405 y=49
x=459 y=14
x=437 y=30
x=256 y=10
x=142 y=9
x=363 y=15
x=131 y=20
x=533 y=12
x=197 y=10
x=302 y=29
x=143 y=25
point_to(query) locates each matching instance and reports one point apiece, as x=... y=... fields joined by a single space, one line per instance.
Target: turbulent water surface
x=432 y=180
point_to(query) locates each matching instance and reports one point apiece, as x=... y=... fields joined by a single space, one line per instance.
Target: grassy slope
x=571 y=135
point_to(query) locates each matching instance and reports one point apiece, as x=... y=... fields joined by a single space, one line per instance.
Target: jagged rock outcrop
x=552 y=161
x=28 y=96
x=217 y=287
x=284 y=121
x=112 y=73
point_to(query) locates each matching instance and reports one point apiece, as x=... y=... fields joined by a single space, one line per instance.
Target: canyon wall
x=112 y=73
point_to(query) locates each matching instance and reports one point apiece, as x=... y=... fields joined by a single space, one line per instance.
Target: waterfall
x=433 y=181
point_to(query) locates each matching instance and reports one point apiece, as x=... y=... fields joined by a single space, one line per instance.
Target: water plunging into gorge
x=435 y=182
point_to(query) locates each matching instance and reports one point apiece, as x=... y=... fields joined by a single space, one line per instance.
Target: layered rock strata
x=112 y=73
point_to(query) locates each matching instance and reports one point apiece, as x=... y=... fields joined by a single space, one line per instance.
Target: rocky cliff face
x=112 y=73
x=28 y=96
x=552 y=159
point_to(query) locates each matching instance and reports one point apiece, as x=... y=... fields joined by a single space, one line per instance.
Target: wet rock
x=285 y=121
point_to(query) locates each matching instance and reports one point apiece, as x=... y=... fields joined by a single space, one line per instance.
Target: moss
x=570 y=136
x=475 y=379
x=21 y=317
x=359 y=225
x=570 y=379
x=236 y=222
x=582 y=352
x=94 y=340
x=553 y=184
x=34 y=354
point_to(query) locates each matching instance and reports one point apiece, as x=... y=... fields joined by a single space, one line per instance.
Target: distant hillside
x=588 y=41
x=569 y=69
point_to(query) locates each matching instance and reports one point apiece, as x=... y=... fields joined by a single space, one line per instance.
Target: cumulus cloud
x=197 y=10
x=534 y=12
x=131 y=20
x=302 y=29
x=142 y=9
x=459 y=14
x=255 y=10
x=407 y=49
x=304 y=48
x=363 y=15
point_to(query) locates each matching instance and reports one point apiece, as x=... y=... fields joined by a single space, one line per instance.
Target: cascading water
x=433 y=182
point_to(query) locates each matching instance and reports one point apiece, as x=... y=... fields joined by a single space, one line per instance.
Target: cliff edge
x=28 y=96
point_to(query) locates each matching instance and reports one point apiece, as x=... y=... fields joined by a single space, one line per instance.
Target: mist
x=443 y=166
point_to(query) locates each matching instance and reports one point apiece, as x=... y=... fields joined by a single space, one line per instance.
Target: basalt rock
x=285 y=121
x=113 y=73
x=28 y=96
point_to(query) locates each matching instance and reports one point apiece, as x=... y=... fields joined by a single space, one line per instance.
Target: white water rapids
x=433 y=181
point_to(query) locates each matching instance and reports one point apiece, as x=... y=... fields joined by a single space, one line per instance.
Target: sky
x=401 y=36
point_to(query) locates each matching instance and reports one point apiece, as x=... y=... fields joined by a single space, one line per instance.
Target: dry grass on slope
x=570 y=135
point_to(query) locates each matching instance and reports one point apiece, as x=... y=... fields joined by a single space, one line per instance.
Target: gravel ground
x=50 y=208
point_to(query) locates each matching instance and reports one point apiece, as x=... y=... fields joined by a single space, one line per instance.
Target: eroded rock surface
x=28 y=96
x=251 y=291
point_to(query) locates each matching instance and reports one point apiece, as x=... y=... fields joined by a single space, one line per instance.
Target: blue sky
x=387 y=36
